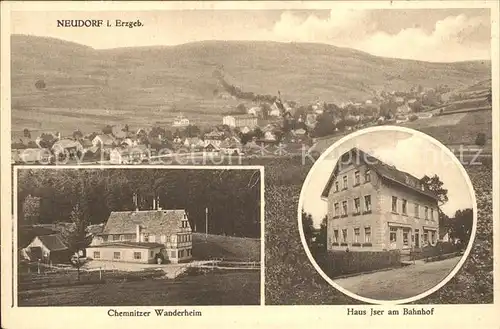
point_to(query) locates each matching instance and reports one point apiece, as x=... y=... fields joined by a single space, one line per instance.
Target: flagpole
x=206 y=223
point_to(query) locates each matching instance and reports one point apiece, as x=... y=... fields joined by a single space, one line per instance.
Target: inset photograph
x=141 y=236
x=387 y=215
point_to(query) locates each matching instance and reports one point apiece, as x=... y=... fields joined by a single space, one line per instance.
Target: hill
x=149 y=84
x=227 y=247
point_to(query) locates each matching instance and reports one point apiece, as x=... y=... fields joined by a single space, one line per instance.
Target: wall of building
x=381 y=218
x=126 y=254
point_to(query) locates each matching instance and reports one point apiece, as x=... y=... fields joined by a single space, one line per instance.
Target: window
x=344 y=235
x=122 y=237
x=163 y=238
x=137 y=255
x=426 y=213
x=417 y=210
x=404 y=206
x=356 y=235
x=172 y=254
x=152 y=253
x=145 y=237
x=426 y=236
x=356 y=178
x=367 y=176
x=117 y=255
x=152 y=238
x=336 y=206
x=345 y=183
x=344 y=208
x=116 y=237
x=336 y=186
x=368 y=203
x=432 y=214
x=97 y=254
x=393 y=234
x=357 y=206
x=394 y=204
x=368 y=234
x=406 y=236
x=336 y=236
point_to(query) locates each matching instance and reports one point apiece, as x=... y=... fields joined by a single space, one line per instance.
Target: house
x=144 y=236
x=214 y=137
x=210 y=148
x=240 y=120
x=67 y=147
x=245 y=130
x=193 y=142
x=374 y=206
x=277 y=109
x=255 y=111
x=181 y=121
x=129 y=154
x=104 y=141
x=47 y=249
x=231 y=146
x=32 y=155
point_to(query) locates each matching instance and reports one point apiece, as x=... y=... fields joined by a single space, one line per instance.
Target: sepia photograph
x=193 y=154
x=120 y=236
x=387 y=214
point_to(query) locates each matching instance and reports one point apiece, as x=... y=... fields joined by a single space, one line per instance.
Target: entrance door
x=417 y=239
x=393 y=233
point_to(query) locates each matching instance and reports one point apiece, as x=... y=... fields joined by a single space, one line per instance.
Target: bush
x=480 y=139
x=338 y=263
x=441 y=248
x=413 y=117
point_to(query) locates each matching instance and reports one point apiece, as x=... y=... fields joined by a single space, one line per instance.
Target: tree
x=107 y=130
x=480 y=139
x=322 y=236
x=461 y=226
x=241 y=108
x=77 y=134
x=31 y=209
x=47 y=140
x=26 y=133
x=307 y=227
x=435 y=185
x=40 y=84
x=258 y=133
x=77 y=237
x=324 y=125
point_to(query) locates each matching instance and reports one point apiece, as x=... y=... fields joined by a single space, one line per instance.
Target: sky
x=407 y=152
x=438 y=35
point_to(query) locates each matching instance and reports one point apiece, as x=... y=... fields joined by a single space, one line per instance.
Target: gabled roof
x=106 y=139
x=151 y=221
x=386 y=171
x=53 y=242
x=129 y=244
x=66 y=144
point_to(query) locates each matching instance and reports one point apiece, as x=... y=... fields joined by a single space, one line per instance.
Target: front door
x=417 y=239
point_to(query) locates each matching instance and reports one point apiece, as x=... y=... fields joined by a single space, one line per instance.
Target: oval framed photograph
x=387 y=215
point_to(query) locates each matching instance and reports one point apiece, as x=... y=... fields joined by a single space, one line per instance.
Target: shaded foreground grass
x=231 y=288
x=226 y=247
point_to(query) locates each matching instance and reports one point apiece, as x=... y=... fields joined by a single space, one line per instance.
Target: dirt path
x=399 y=283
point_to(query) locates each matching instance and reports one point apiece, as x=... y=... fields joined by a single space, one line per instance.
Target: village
x=258 y=128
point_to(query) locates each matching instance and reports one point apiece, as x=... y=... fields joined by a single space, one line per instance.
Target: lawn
x=226 y=247
x=400 y=283
x=228 y=288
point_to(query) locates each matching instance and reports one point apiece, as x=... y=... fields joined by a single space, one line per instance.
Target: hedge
x=441 y=248
x=338 y=263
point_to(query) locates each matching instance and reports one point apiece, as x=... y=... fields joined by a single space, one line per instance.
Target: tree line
x=58 y=195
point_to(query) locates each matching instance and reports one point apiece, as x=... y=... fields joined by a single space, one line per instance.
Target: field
x=231 y=288
x=88 y=88
x=291 y=279
x=226 y=247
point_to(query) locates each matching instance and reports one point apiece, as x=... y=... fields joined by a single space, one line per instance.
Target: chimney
x=138 y=233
